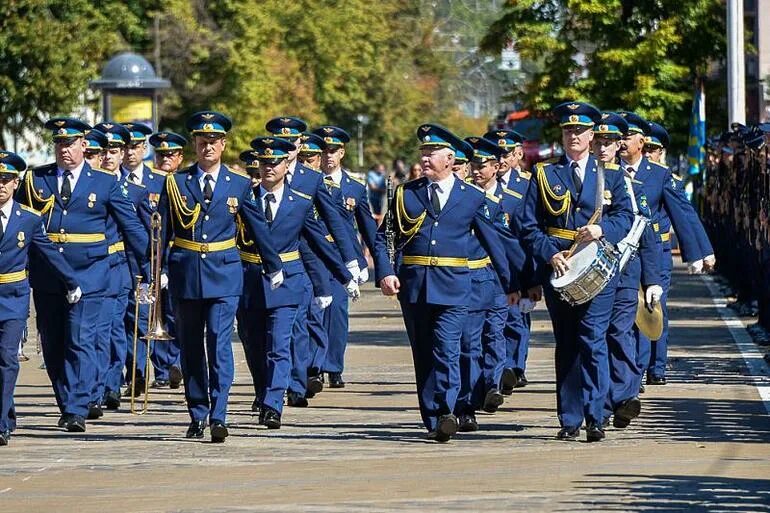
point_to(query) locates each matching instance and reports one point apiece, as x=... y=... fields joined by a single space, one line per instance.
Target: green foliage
x=641 y=55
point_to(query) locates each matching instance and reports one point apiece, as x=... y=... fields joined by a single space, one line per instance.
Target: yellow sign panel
x=131 y=108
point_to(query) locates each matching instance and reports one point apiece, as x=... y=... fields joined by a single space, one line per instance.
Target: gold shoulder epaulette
x=612 y=166
x=158 y=171
x=100 y=170
x=468 y=179
x=525 y=175
x=332 y=183
x=302 y=195
x=657 y=164
x=239 y=173
x=491 y=197
x=540 y=166
x=482 y=191
x=553 y=160
x=677 y=177
x=512 y=193
x=359 y=180
x=29 y=209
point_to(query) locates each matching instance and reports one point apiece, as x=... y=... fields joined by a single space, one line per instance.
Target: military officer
x=358 y=217
x=78 y=203
x=20 y=228
x=97 y=143
x=561 y=200
x=198 y=206
x=310 y=151
x=434 y=216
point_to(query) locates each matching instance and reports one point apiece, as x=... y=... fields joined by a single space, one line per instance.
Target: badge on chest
x=20 y=237
x=350 y=203
x=607 y=198
x=232 y=204
x=91 y=200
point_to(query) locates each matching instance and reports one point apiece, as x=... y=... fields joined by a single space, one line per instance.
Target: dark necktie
x=631 y=172
x=329 y=181
x=576 y=177
x=434 y=198
x=269 y=198
x=133 y=178
x=66 y=187
x=2 y=230
x=208 y=190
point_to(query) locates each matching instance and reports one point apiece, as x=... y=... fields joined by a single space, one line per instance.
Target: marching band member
x=434 y=216
x=77 y=203
x=198 y=206
x=560 y=201
x=20 y=228
x=97 y=144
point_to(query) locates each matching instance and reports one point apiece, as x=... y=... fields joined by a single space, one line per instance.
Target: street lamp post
x=362 y=119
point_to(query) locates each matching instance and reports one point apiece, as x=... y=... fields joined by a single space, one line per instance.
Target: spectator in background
x=415 y=172
x=399 y=170
x=375 y=185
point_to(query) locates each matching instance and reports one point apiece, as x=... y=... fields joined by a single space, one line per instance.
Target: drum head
x=579 y=262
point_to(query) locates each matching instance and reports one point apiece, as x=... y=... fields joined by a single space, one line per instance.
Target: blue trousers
x=621 y=347
x=470 y=363
x=268 y=335
x=68 y=338
x=319 y=339
x=434 y=334
x=582 y=365
x=517 y=334
x=659 y=348
x=493 y=343
x=300 y=344
x=11 y=331
x=336 y=324
x=208 y=368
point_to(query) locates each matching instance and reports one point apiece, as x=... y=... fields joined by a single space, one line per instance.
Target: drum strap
x=599 y=198
x=630 y=187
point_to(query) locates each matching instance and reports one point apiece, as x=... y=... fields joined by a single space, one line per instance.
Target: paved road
x=701 y=444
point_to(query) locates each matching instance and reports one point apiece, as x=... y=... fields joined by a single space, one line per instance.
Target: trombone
x=155 y=329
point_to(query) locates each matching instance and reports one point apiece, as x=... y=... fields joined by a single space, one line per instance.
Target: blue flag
x=695 y=151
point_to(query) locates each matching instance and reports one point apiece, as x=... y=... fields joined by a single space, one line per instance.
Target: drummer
x=559 y=205
x=625 y=370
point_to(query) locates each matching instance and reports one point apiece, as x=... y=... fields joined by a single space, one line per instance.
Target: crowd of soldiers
x=469 y=248
x=735 y=202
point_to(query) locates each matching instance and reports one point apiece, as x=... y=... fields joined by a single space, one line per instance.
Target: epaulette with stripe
x=677 y=177
x=491 y=197
x=525 y=175
x=332 y=183
x=100 y=170
x=656 y=164
x=158 y=171
x=239 y=173
x=611 y=166
x=301 y=194
x=30 y=209
x=355 y=178
x=512 y=193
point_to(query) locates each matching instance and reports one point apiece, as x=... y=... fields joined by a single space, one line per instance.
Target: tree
x=641 y=55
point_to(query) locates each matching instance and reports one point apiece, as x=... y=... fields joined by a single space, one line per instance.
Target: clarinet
x=390 y=232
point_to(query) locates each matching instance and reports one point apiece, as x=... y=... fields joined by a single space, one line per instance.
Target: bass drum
x=591 y=267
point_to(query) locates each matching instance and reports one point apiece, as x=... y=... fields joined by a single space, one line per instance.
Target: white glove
x=322 y=301
x=143 y=295
x=363 y=276
x=695 y=267
x=352 y=266
x=163 y=281
x=276 y=279
x=526 y=305
x=352 y=289
x=652 y=295
x=73 y=296
x=709 y=262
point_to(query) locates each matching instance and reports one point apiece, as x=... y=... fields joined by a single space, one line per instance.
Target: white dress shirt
x=278 y=193
x=139 y=172
x=214 y=174
x=581 y=169
x=73 y=178
x=6 y=209
x=444 y=188
x=336 y=175
x=625 y=165
x=292 y=166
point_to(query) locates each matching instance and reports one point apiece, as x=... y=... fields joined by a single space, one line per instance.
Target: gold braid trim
x=403 y=217
x=548 y=195
x=240 y=230
x=34 y=197
x=179 y=207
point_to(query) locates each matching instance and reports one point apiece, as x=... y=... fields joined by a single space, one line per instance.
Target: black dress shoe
x=5 y=437
x=139 y=390
x=521 y=378
x=272 y=419
x=446 y=426
x=569 y=434
x=94 y=412
x=656 y=380
x=467 y=423
x=493 y=400
x=606 y=422
x=75 y=424
x=218 y=432
x=438 y=437
x=296 y=400
x=335 y=380
x=594 y=433
x=159 y=383
x=315 y=385
x=195 y=430
x=256 y=406
x=174 y=377
x=508 y=381
x=62 y=420
x=626 y=412
x=112 y=400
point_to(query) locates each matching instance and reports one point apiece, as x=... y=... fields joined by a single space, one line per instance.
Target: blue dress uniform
x=267 y=316
x=22 y=227
x=205 y=275
x=77 y=225
x=358 y=217
x=553 y=211
x=432 y=250
x=668 y=206
x=515 y=183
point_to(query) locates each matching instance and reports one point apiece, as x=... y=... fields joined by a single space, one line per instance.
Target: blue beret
x=576 y=114
x=138 y=131
x=96 y=140
x=116 y=134
x=658 y=136
x=250 y=158
x=272 y=148
x=209 y=123
x=484 y=149
x=506 y=139
x=436 y=135
x=636 y=123
x=286 y=127
x=463 y=152
x=332 y=135
x=66 y=128
x=611 y=125
x=167 y=141
x=311 y=143
x=11 y=164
